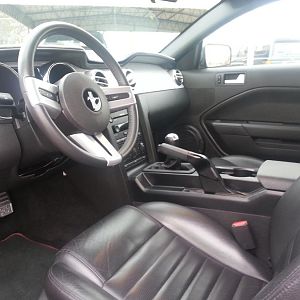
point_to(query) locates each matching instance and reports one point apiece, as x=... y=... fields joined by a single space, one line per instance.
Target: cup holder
x=237 y=172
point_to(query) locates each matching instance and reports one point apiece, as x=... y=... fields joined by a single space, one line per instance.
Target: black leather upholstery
x=159 y=251
x=285 y=230
x=237 y=161
x=165 y=251
x=285 y=285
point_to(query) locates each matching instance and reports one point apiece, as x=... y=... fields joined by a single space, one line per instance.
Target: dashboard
x=157 y=84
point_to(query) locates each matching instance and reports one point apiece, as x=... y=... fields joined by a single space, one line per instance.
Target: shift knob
x=172 y=139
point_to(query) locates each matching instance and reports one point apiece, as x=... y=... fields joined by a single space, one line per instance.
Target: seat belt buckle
x=243 y=235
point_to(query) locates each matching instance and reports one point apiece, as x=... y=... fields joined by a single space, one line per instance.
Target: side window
x=267 y=35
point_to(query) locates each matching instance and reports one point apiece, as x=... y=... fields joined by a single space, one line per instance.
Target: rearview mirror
x=217 y=55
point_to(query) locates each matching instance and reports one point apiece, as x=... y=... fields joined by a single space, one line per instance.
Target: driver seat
x=166 y=251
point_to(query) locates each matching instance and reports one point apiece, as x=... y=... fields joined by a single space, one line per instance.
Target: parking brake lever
x=210 y=179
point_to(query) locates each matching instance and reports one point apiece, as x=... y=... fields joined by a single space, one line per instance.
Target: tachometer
x=57 y=71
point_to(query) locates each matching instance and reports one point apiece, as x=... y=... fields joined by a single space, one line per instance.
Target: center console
x=193 y=180
x=138 y=154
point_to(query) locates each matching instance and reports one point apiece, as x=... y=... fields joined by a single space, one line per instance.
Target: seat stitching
x=237 y=287
x=172 y=271
x=210 y=257
x=155 y=261
x=206 y=255
x=278 y=286
x=197 y=249
x=285 y=289
x=132 y=254
x=189 y=281
x=85 y=263
x=147 y=216
x=290 y=250
x=195 y=277
x=88 y=265
x=263 y=284
x=213 y=286
x=60 y=287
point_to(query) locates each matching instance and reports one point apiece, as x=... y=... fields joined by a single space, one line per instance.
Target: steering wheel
x=74 y=112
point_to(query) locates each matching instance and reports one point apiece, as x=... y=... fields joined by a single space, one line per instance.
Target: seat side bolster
x=63 y=284
x=106 y=246
x=208 y=236
x=79 y=266
x=285 y=285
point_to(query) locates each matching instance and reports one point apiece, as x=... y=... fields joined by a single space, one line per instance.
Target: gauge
x=57 y=71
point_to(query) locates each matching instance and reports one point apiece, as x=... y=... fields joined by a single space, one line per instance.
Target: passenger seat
x=241 y=161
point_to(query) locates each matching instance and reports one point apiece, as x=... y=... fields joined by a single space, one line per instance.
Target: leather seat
x=238 y=161
x=166 y=251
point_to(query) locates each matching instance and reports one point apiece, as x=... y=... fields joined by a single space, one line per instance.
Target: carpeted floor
x=55 y=210
x=52 y=211
x=23 y=267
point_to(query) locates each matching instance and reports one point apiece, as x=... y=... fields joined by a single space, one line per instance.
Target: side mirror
x=217 y=55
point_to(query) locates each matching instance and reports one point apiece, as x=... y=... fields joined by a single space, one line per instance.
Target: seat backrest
x=285 y=248
x=285 y=228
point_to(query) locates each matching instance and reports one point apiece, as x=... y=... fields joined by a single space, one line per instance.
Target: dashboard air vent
x=178 y=77
x=130 y=78
x=101 y=79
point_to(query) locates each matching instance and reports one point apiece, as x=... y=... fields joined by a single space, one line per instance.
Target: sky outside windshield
x=124 y=26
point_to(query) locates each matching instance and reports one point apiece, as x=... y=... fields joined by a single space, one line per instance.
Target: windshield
x=123 y=26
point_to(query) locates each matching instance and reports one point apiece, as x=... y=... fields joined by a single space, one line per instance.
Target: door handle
x=234 y=78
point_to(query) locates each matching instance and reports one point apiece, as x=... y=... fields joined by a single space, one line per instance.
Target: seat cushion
x=237 y=161
x=155 y=251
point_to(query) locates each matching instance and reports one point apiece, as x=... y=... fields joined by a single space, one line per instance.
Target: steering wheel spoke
x=83 y=104
x=119 y=98
x=45 y=94
x=99 y=146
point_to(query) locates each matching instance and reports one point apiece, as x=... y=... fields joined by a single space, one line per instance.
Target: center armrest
x=278 y=175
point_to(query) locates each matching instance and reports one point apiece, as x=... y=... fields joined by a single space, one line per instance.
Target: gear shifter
x=172 y=139
x=172 y=163
x=210 y=179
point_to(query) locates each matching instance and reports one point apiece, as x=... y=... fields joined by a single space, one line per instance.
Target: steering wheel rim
x=45 y=104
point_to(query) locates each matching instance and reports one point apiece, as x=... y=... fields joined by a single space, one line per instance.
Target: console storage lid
x=278 y=175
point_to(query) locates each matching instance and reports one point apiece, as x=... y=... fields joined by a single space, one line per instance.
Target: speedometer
x=57 y=71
